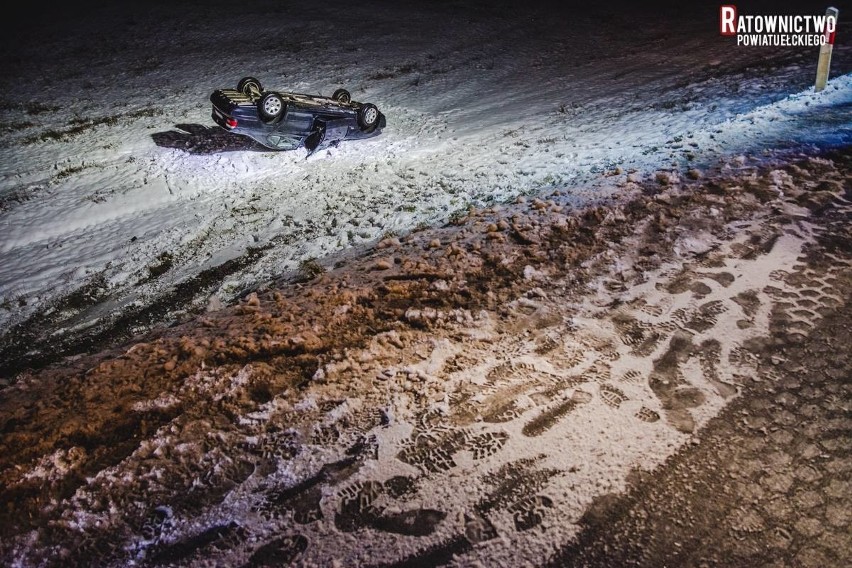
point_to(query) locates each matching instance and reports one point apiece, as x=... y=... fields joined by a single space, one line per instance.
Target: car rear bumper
x=221 y=118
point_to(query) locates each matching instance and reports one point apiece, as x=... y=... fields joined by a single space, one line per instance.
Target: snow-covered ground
x=468 y=395
x=119 y=196
x=582 y=236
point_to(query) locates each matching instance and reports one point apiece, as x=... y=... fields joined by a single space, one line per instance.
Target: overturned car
x=282 y=120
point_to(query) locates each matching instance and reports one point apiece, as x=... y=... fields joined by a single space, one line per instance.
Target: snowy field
x=123 y=206
x=582 y=239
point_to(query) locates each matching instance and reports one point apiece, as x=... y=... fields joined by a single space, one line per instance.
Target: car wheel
x=249 y=86
x=270 y=106
x=368 y=116
x=342 y=96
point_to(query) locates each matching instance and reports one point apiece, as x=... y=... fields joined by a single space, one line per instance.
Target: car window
x=284 y=142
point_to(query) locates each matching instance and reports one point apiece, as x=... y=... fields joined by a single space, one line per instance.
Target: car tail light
x=231 y=122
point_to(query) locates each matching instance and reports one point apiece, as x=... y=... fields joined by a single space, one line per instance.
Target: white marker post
x=825 y=51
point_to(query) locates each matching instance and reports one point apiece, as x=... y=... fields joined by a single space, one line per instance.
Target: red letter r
x=727 y=20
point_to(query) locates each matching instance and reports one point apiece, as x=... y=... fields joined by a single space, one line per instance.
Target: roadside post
x=825 y=51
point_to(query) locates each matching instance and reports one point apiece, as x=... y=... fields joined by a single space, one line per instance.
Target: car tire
x=249 y=86
x=270 y=107
x=368 y=117
x=342 y=96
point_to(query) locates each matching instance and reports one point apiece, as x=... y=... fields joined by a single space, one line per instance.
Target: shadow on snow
x=200 y=139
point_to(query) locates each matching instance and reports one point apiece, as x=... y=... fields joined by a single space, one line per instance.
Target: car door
x=291 y=132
